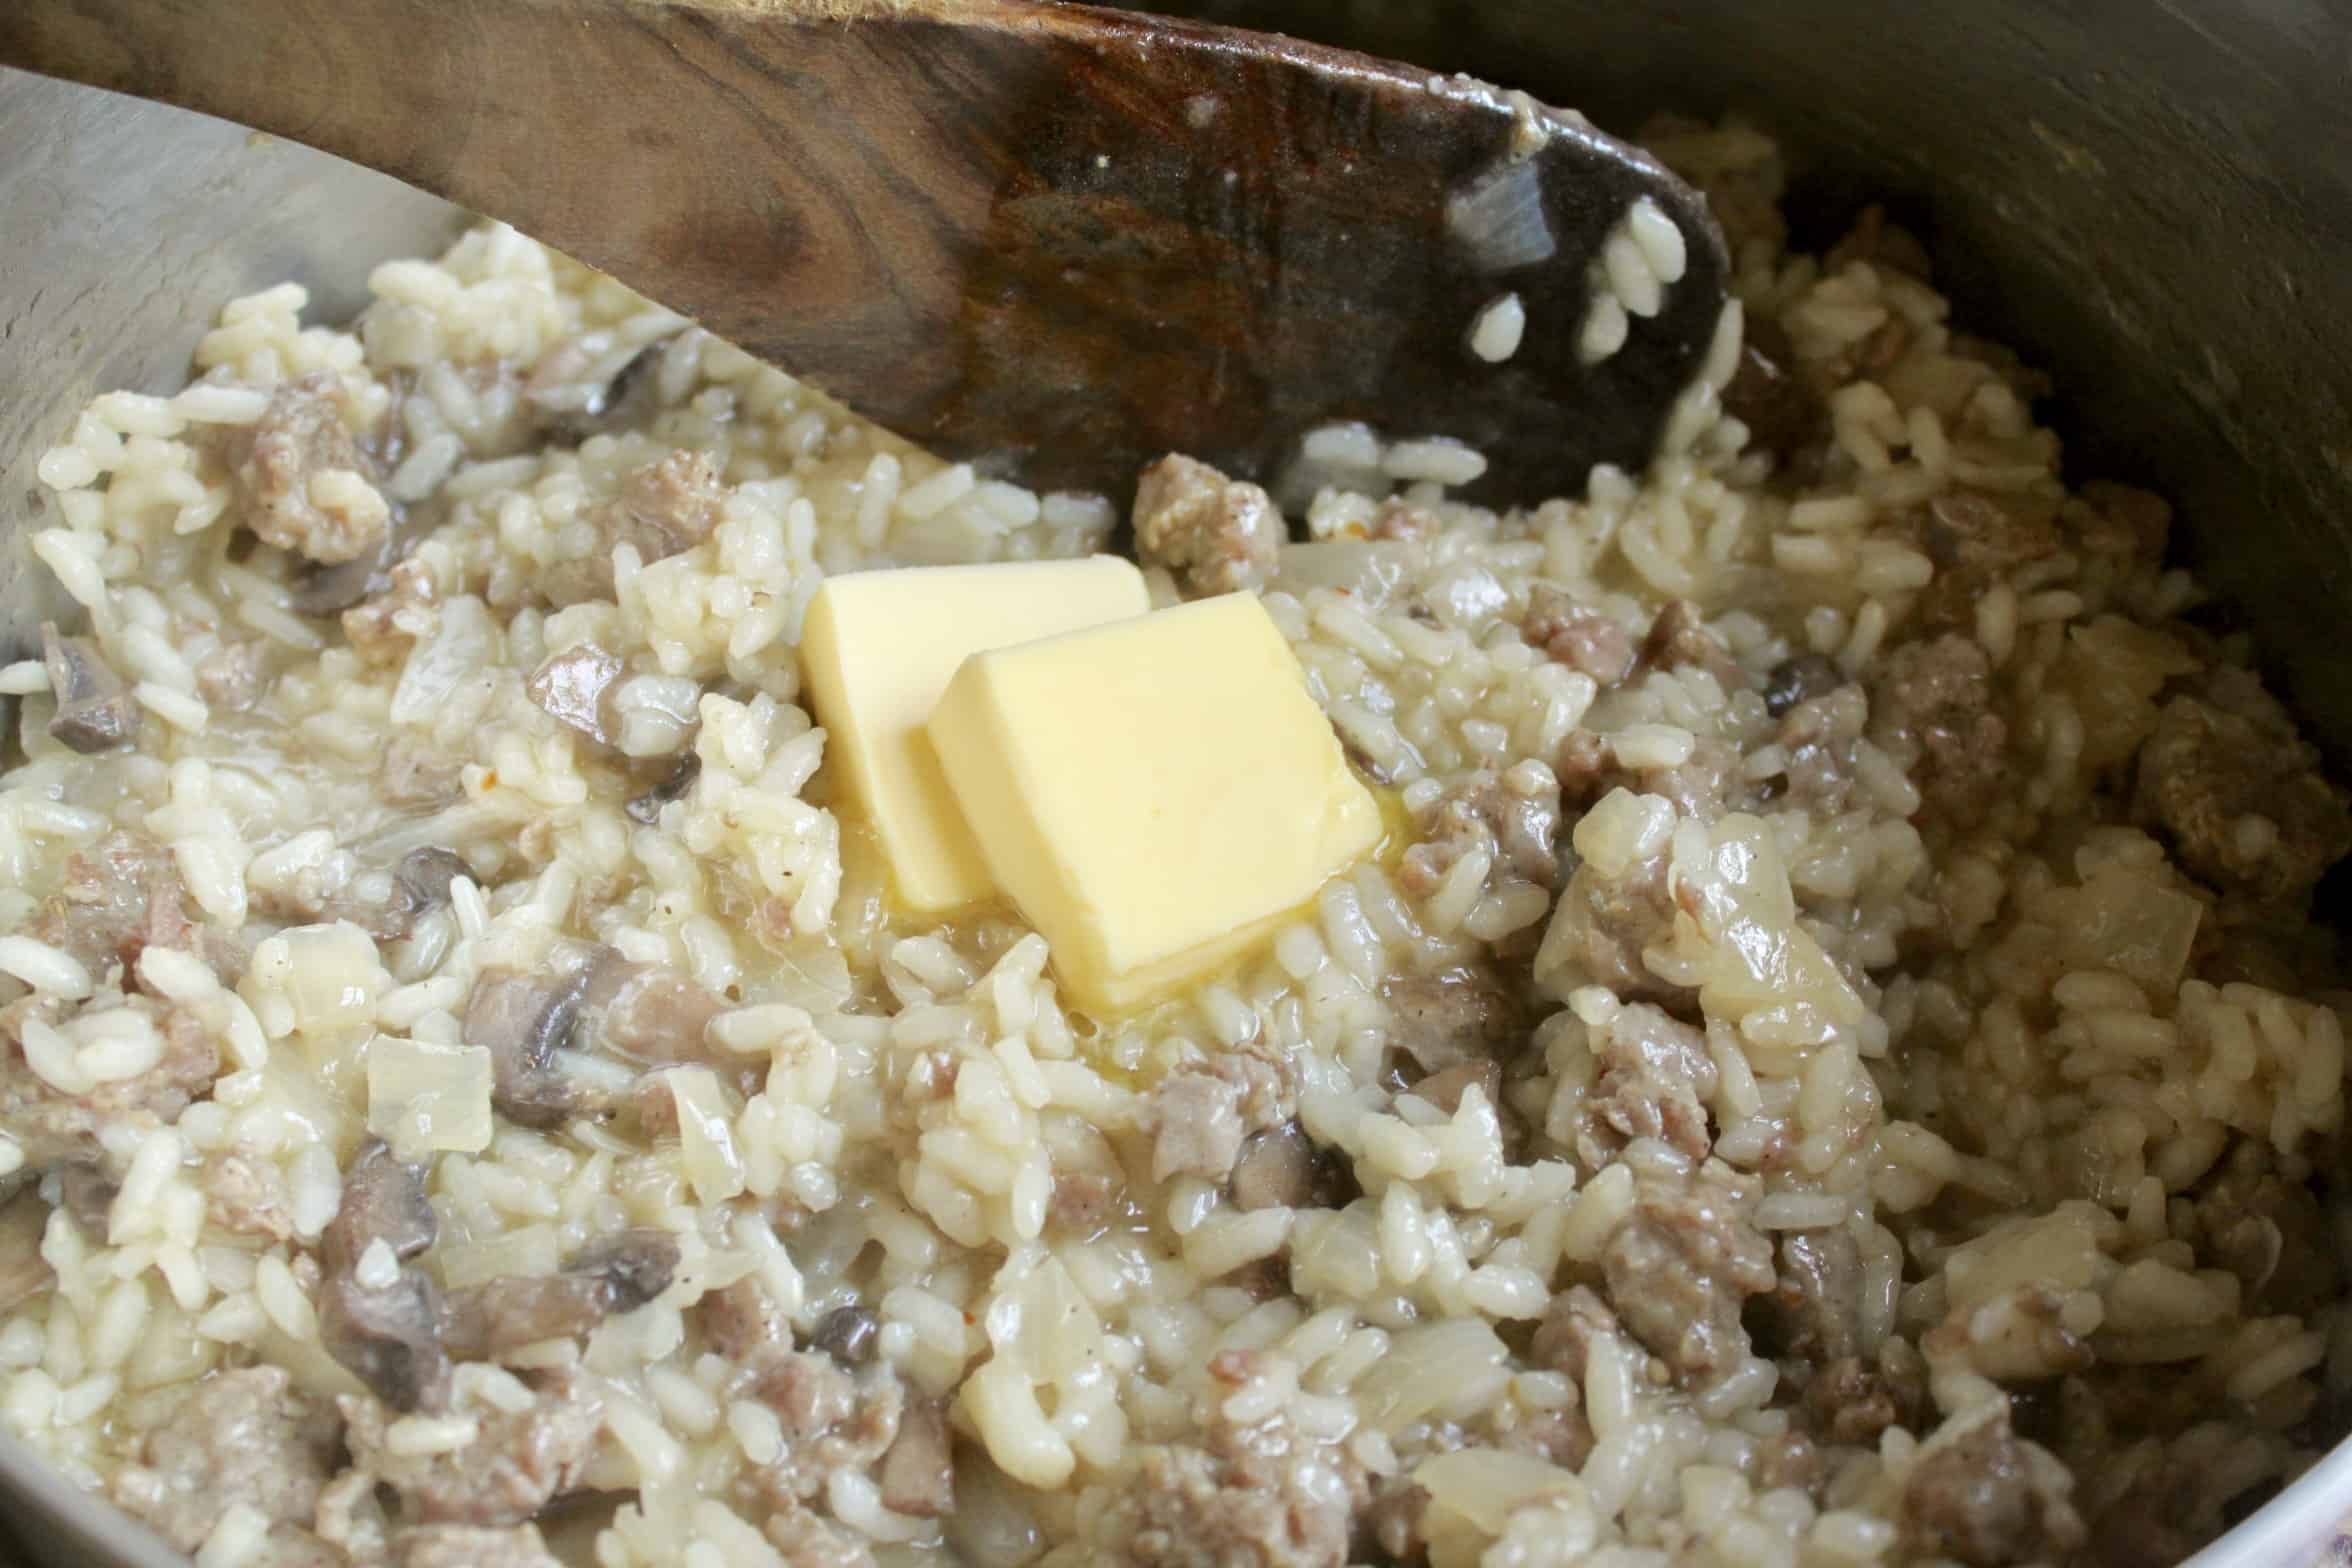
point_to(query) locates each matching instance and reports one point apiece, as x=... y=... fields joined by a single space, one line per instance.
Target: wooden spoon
x=1064 y=239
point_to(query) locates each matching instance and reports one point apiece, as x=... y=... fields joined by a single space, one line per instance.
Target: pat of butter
x=879 y=648
x=1154 y=794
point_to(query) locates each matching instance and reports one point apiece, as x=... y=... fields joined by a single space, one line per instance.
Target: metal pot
x=2155 y=202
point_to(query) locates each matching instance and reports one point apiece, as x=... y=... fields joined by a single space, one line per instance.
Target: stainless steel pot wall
x=2154 y=200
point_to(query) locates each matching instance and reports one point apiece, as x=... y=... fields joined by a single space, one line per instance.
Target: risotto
x=1830 y=1064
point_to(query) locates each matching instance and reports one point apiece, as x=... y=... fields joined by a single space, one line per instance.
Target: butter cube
x=879 y=648
x=1155 y=794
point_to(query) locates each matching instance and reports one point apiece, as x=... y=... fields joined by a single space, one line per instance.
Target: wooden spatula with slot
x=1061 y=239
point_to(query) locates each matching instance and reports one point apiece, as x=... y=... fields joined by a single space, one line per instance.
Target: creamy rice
x=1830 y=1067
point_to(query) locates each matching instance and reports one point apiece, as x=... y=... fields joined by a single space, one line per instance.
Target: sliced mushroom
x=423 y=877
x=618 y=1274
x=634 y=1266
x=1800 y=679
x=523 y=1021
x=86 y=1192
x=389 y=1337
x=575 y=689
x=847 y=1334
x=1782 y=412
x=1281 y=1168
x=95 y=710
x=330 y=588
x=383 y=1200
x=1276 y=1169
x=647 y=808
x=569 y=410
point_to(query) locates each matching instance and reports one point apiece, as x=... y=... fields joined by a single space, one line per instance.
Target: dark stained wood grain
x=1060 y=238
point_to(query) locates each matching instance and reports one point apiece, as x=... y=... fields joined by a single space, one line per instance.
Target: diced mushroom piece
x=384 y=1200
x=523 y=1021
x=1214 y=534
x=310 y=489
x=1974 y=539
x=1276 y=1169
x=95 y=710
x=918 y=1473
x=618 y=1274
x=87 y=1193
x=1782 y=411
x=424 y=875
x=575 y=689
x=647 y=808
x=331 y=587
x=570 y=406
x=1799 y=680
x=2270 y=1231
x=388 y=1334
x=501 y=1315
x=389 y=1337
x=633 y=1266
x=847 y=1334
